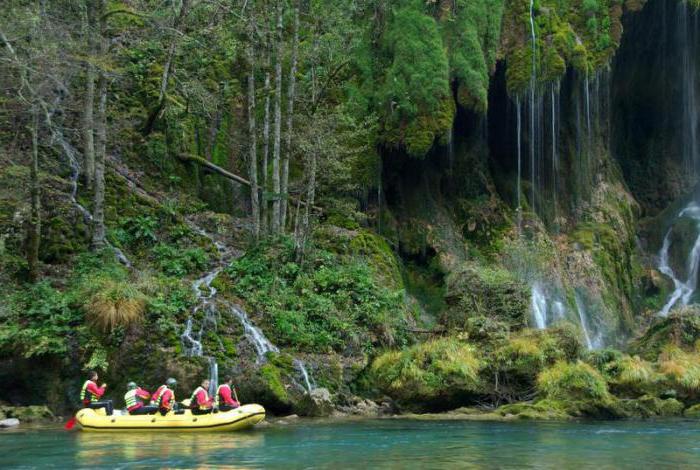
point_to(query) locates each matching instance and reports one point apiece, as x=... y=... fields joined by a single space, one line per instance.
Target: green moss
x=379 y=255
x=572 y=382
x=545 y=410
x=692 y=412
x=481 y=295
x=437 y=373
x=681 y=329
x=273 y=380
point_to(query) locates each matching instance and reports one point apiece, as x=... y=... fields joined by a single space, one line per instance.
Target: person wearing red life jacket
x=200 y=402
x=164 y=397
x=223 y=399
x=133 y=399
x=91 y=394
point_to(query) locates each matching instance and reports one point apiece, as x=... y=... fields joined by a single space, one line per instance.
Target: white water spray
x=683 y=290
x=538 y=303
x=584 y=323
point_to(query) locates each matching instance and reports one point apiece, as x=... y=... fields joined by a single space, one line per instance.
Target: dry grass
x=681 y=368
x=113 y=304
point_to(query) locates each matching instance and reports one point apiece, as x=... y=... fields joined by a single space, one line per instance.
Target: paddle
x=70 y=424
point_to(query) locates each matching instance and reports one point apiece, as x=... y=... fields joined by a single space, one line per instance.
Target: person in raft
x=200 y=403
x=90 y=394
x=223 y=400
x=164 y=397
x=134 y=400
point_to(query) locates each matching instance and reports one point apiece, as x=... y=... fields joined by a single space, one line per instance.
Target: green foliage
x=572 y=381
x=141 y=229
x=37 y=321
x=174 y=261
x=330 y=302
x=441 y=369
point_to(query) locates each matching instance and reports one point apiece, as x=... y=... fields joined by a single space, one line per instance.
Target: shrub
x=438 y=369
x=572 y=381
x=175 y=261
x=630 y=375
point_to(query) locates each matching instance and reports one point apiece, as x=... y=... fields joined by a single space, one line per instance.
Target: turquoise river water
x=388 y=443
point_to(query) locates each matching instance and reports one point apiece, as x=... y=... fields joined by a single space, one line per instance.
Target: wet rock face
x=318 y=403
x=26 y=414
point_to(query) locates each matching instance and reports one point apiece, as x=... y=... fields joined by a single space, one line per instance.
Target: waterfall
x=583 y=322
x=213 y=376
x=538 y=302
x=301 y=367
x=554 y=111
x=688 y=34
x=519 y=152
x=683 y=291
x=260 y=342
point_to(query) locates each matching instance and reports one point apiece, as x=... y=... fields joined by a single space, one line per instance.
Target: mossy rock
x=543 y=410
x=439 y=374
x=28 y=414
x=692 y=412
x=518 y=361
x=681 y=328
x=266 y=386
x=379 y=255
x=479 y=295
x=650 y=407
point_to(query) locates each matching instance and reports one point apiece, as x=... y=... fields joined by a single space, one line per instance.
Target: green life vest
x=85 y=395
x=131 y=399
x=217 y=398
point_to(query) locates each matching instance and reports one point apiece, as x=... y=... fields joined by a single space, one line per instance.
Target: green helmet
x=131 y=385
x=171 y=382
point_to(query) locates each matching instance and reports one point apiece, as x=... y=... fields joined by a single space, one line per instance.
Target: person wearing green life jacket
x=91 y=394
x=223 y=399
x=134 y=400
x=200 y=402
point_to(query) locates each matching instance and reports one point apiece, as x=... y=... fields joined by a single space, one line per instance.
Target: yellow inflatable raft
x=243 y=417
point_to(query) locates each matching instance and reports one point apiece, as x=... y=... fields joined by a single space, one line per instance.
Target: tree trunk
x=167 y=69
x=276 y=206
x=89 y=104
x=34 y=238
x=252 y=156
x=290 y=120
x=266 y=135
x=98 y=210
x=310 y=197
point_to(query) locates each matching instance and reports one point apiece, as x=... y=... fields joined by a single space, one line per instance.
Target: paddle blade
x=70 y=424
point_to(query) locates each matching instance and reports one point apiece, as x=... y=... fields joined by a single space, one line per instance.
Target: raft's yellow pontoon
x=243 y=417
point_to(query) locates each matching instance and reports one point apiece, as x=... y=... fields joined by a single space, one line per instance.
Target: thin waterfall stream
x=683 y=290
x=207 y=300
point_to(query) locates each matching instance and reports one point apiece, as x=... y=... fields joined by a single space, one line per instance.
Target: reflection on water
x=370 y=444
x=104 y=449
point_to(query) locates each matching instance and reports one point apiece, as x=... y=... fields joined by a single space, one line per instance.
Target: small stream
x=208 y=301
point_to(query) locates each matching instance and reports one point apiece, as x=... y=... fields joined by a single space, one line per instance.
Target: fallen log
x=186 y=157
